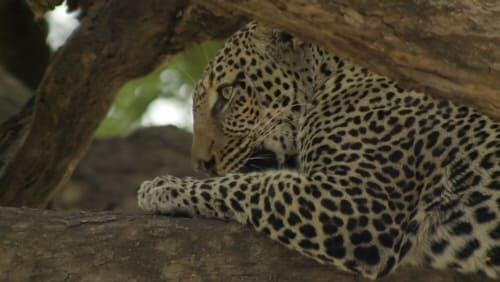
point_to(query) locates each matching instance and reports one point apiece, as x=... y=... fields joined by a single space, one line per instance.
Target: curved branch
x=447 y=49
x=76 y=246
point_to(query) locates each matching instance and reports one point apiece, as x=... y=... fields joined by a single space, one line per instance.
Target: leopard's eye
x=225 y=94
x=219 y=106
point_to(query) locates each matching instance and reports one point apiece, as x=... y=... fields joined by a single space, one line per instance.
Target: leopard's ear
x=268 y=35
x=261 y=32
x=286 y=38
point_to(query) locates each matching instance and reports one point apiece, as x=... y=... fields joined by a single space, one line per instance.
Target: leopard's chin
x=263 y=159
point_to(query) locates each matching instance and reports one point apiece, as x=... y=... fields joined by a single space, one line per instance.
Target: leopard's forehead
x=227 y=63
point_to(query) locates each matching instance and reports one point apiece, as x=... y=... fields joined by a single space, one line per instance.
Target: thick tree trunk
x=450 y=49
x=37 y=245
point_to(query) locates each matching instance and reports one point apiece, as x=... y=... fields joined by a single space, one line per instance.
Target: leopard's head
x=246 y=102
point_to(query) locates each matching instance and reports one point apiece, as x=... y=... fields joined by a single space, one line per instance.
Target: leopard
x=337 y=162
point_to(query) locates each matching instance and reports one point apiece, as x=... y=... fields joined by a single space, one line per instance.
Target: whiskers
x=260 y=161
x=258 y=158
x=268 y=125
x=254 y=168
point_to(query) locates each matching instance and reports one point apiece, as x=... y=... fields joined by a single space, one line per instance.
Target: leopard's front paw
x=163 y=194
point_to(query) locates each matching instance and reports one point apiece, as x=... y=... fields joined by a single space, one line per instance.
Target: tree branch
x=75 y=246
x=447 y=49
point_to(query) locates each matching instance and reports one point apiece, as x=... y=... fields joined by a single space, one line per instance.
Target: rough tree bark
x=449 y=49
x=78 y=246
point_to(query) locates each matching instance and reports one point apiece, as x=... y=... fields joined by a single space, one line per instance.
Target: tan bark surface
x=38 y=245
x=450 y=49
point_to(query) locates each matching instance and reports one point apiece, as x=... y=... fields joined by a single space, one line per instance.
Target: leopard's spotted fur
x=385 y=176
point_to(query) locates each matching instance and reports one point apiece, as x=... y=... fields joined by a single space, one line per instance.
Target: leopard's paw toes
x=161 y=194
x=145 y=196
